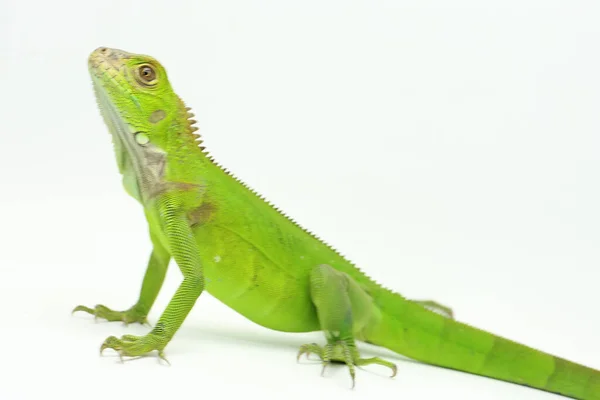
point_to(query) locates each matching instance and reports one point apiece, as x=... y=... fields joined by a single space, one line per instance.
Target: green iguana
x=227 y=239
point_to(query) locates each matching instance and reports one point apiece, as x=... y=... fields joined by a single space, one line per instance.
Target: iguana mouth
x=102 y=60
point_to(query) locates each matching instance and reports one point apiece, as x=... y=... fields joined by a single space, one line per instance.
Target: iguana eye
x=146 y=74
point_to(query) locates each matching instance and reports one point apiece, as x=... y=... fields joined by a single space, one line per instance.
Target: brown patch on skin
x=166 y=186
x=157 y=116
x=201 y=214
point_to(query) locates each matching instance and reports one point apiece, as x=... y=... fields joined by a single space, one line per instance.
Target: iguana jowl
x=230 y=241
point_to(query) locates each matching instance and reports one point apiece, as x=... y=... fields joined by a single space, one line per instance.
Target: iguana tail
x=411 y=330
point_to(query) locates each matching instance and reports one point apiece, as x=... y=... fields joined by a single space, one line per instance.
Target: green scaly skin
x=228 y=240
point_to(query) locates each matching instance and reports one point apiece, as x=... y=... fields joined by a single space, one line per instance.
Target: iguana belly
x=246 y=279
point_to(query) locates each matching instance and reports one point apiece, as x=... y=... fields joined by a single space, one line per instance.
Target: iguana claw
x=342 y=353
x=135 y=346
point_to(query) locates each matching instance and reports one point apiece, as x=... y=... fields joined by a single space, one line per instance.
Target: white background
x=452 y=151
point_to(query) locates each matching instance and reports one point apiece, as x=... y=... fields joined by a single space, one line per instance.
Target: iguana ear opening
x=157 y=116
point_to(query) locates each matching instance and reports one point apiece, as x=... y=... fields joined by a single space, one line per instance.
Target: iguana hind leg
x=153 y=280
x=343 y=308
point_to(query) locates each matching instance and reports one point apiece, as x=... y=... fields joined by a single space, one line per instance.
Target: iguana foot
x=341 y=352
x=132 y=315
x=135 y=346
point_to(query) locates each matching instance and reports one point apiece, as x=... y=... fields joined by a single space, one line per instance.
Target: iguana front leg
x=343 y=308
x=153 y=280
x=184 y=250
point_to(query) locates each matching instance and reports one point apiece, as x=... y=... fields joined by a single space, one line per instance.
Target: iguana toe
x=341 y=352
x=135 y=346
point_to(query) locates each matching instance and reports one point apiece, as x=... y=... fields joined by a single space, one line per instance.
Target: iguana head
x=144 y=115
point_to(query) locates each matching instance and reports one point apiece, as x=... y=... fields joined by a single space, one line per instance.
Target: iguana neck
x=149 y=170
x=185 y=162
